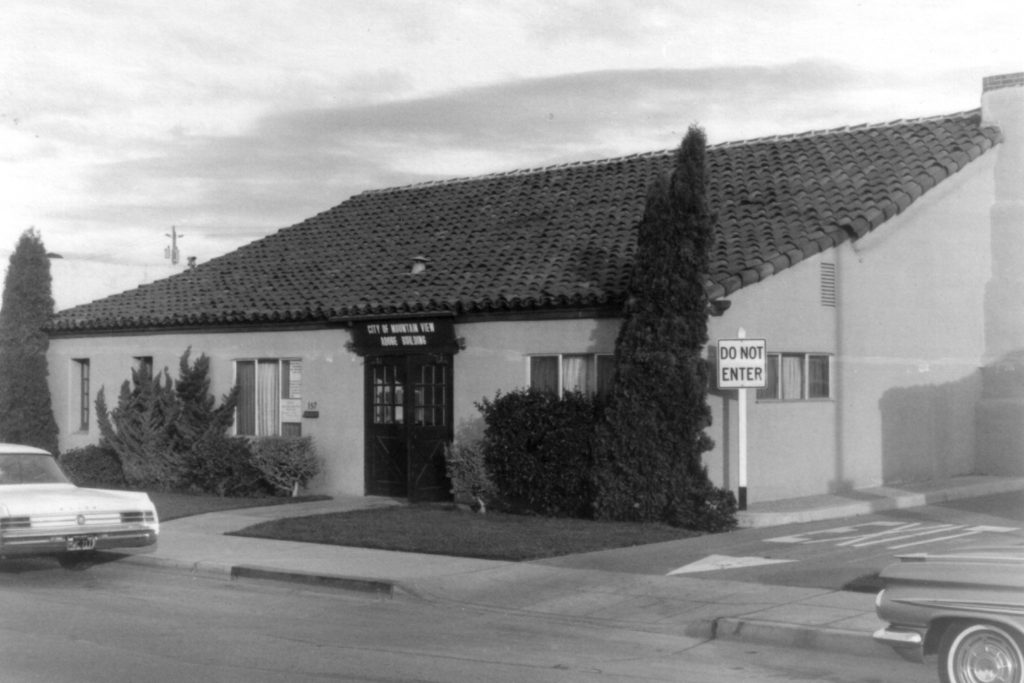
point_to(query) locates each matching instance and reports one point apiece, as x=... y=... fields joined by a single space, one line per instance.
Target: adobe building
x=882 y=264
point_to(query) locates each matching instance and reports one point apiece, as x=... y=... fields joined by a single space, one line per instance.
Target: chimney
x=1002 y=105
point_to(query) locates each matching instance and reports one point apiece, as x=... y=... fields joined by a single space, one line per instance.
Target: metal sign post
x=742 y=366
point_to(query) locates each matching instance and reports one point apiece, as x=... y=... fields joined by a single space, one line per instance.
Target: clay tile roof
x=552 y=238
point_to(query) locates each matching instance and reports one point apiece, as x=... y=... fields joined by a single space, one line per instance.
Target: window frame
x=284 y=391
x=594 y=365
x=143 y=364
x=81 y=382
x=806 y=383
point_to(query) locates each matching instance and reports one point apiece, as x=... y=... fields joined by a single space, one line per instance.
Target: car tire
x=978 y=653
x=79 y=561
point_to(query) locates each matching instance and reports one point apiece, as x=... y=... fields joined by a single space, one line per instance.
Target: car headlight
x=878 y=599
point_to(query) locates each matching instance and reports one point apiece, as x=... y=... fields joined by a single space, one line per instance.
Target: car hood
x=29 y=499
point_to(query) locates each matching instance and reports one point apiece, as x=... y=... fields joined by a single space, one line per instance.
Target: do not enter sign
x=741 y=363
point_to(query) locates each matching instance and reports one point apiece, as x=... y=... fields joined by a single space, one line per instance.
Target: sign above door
x=377 y=337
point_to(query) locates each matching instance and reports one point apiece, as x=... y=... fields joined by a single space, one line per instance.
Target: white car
x=43 y=513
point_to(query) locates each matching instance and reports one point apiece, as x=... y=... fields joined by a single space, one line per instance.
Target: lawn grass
x=173 y=505
x=448 y=530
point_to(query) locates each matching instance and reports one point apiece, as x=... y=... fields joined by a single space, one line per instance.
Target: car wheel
x=980 y=653
x=77 y=561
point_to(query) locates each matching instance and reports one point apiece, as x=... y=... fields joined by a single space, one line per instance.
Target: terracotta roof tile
x=553 y=238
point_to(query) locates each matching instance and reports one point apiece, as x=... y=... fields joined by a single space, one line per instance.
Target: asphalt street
x=834 y=554
x=120 y=622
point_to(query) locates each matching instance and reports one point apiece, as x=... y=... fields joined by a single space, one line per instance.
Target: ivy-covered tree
x=649 y=455
x=26 y=411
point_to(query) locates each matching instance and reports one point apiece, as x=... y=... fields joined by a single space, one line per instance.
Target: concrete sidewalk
x=830 y=620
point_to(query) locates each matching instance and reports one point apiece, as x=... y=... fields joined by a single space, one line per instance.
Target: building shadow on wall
x=928 y=432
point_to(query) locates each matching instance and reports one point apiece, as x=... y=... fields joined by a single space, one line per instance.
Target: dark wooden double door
x=408 y=425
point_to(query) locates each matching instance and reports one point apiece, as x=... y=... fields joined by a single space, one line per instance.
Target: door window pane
x=388 y=396
x=429 y=398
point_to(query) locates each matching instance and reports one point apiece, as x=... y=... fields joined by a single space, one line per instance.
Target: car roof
x=12 y=448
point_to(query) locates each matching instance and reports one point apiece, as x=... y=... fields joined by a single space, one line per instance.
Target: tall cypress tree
x=649 y=458
x=26 y=412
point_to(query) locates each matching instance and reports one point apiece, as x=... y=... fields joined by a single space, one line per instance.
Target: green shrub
x=471 y=484
x=703 y=506
x=224 y=465
x=287 y=463
x=93 y=466
x=140 y=431
x=157 y=425
x=538 y=450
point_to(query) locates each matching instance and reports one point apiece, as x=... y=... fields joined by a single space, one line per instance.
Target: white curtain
x=575 y=373
x=268 y=398
x=792 y=377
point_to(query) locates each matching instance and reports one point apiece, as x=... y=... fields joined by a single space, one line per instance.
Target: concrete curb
x=224 y=572
x=819 y=638
x=206 y=570
x=380 y=588
x=905 y=499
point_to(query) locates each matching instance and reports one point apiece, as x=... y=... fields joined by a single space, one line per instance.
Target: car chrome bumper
x=907 y=642
x=57 y=541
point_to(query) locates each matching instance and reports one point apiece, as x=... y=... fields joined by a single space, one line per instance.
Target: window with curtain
x=586 y=373
x=266 y=386
x=797 y=377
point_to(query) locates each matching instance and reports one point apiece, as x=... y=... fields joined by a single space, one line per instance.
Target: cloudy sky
x=232 y=119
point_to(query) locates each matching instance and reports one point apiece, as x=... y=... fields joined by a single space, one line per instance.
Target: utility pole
x=172 y=252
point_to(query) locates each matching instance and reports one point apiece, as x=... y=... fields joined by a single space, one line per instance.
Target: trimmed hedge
x=224 y=465
x=539 y=450
x=287 y=463
x=93 y=466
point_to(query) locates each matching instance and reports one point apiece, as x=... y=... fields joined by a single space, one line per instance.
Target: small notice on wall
x=291 y=410
x=294 y=379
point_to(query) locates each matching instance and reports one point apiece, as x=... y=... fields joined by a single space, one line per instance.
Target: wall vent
x=828 y=284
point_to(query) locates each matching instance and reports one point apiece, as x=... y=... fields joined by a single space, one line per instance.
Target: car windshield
x=30 y=468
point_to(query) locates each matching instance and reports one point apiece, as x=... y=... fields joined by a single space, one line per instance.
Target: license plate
x=81 y=542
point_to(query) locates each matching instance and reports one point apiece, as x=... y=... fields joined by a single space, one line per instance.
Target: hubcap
x=986 y=657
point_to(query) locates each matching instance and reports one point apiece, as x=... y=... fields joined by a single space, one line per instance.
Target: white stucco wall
x=912 y=304
x=332 y=379
x=496 y=353
x=907 y=335
x=791 y=444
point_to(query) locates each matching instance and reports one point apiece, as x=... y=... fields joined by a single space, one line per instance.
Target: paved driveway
x=834 y=554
